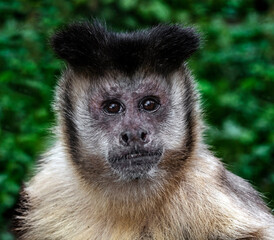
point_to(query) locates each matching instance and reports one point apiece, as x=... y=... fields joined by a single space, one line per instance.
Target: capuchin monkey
x=130 y=162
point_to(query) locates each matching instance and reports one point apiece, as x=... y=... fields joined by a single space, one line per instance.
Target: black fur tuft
x=90 y=45
x=171 y=46
x=81 y=44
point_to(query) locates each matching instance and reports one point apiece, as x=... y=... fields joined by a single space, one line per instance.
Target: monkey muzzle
x=134 y=164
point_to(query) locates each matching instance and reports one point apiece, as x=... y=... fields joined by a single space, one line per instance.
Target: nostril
x=143 y=135
x=125 y=137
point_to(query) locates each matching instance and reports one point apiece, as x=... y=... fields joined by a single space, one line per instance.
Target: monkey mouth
x=135 y=164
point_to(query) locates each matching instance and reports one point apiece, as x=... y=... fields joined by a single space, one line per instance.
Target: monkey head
x=127 y=106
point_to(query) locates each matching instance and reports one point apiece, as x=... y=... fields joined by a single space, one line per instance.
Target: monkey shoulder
x=230 y=201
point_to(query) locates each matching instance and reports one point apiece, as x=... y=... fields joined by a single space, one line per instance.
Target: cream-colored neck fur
x=70 y=211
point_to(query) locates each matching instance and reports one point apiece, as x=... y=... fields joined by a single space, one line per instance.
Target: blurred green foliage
x=234 y=69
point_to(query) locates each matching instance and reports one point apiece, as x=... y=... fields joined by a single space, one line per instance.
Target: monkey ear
x=171 y=45
x=81 y=44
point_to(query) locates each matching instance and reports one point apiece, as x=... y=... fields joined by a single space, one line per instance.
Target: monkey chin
x=135 y=165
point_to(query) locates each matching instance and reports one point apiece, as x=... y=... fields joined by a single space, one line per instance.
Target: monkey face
x=130 y=117
x=124 y=127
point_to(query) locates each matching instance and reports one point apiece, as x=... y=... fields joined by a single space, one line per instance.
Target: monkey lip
x=135 y=164
x=141 y=155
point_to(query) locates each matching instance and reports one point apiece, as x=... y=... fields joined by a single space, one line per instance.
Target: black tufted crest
x=90 y=45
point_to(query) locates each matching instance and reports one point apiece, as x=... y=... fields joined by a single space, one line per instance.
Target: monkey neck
x=142 y=197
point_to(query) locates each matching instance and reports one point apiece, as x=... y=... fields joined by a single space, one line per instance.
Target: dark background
x=234 y=70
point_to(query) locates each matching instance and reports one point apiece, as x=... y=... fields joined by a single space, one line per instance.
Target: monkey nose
x=128 y=137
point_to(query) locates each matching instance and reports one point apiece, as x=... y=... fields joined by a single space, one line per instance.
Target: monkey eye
x=149 y=104
x=113 y=107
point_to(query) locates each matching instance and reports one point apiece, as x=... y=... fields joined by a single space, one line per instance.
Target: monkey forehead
x=119 y=85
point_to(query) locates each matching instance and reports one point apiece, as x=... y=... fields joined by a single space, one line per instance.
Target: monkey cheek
x=134 y=168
